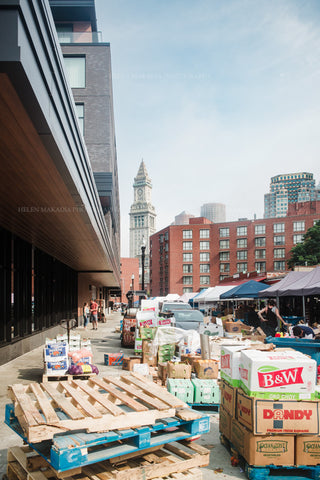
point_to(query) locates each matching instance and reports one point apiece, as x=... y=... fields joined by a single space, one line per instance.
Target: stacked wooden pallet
x=86 y=424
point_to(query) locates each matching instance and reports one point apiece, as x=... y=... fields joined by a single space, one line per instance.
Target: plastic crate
x=181 y=388
x=206 y=391
x=308 y=346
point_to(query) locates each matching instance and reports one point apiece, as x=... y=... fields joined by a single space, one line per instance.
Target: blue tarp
x=248 y=289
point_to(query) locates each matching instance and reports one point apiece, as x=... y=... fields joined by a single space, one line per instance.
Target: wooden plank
x=44 y=404
x=155 y=390
x=195 y=447
x=153 y=402
x=62 y=402
x=16 y=472
x=178 y=451
x=125 y=399
x=30 y=412
x=78 y=397
x=187 y=414
x=98 y=397
x=138 y=453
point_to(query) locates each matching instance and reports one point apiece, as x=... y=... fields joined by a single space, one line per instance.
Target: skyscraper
x=216 y=212
x=142 y=218
x=289 y=188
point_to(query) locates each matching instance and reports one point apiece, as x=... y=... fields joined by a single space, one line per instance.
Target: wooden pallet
x=60 y=378
x=180 y=461
x=93 y=405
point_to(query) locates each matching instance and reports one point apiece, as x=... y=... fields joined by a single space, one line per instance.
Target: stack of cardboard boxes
x=268 y=408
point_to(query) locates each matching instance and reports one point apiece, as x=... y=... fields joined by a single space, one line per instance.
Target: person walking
x=85 y=313
x=94 y=314
x=270 y=321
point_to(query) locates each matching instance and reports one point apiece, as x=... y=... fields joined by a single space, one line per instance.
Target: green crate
x=181 y=388
x=147 y=333
x=167 y=349
x=164 y=357
x=206 y=391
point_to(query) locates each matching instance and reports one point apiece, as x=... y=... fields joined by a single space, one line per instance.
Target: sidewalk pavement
x=29 y=368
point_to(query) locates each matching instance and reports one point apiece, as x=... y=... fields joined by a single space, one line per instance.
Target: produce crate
x=113 y=358
x=147 y=333
x=181 y=388
x=206 y=391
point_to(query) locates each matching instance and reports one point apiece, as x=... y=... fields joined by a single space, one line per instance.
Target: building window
x=260 y=229
x=204 y=246
x=204 y=268
x=80 y=115
x=260 y=242
x=315 y=222
x=161 y=238
x=65 y=32
x=299 y=226
x=224 y=232
x=187 y=289
x=242 y=267
x=204 y=233
x=166 y=236
x=260 y=266
x=298 y=238
x=278 y=228
x=224 y=267
x=279 y=240
x=187 y=234
x=187 y=268
x=187 y=280
x=277 y=266
x=279 y=253
x=187 y=257
x=204 y=280
x=139 y=221
x=224 y=256
x=187 y=245
x=75 y=68
x=242 y=255
x=204 y=257
x=224 y=244
x=241 y=231
x=242 y=243
x=260 y=253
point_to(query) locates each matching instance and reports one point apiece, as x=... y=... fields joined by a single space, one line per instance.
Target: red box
x=113 y=359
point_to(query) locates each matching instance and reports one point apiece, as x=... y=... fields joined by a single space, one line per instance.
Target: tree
x=307 y=252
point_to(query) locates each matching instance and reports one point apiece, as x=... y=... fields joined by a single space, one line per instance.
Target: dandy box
x=263 y=417
x=230 y=364
x=277 y=375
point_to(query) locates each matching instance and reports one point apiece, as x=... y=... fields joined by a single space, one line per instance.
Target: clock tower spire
x=142 y=218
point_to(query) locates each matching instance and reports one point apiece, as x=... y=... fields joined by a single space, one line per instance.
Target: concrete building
x=186 y=258
x=216 y=212
x=59 y=228
x=286 y=189
x=183 y=218
x=142 y=219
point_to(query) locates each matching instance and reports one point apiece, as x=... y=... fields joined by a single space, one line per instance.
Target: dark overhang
x=74 y=11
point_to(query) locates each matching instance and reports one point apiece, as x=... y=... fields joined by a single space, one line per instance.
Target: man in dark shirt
x=303 y=331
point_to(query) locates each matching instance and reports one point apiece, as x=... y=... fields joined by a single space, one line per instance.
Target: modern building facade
x=183 y=218
x=289 y=188
x=142 y=219
x=59 y=227
x=186 y=258
x=216 y=212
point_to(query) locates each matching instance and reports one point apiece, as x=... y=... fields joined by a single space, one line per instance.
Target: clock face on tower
x=139 y=192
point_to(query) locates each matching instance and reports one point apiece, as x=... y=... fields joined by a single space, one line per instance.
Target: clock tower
x=142 y=219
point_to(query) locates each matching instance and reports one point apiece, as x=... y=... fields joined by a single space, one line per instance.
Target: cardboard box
x=162 y=371
x=56 y=367
x=206 y=391
x=190 y=359
x=206 y=368
x=262 y=450
x=147 y=333
x=230 y=364
x=138 y=345
x=149 y=358
x=233 y=327
x=181 y=388
x=56 y=351
x=113 y=358
x=178 y=370
x=147 y=346
x=277 y=374
x=307 y=450
x=225 y=420
x=211 y=329
x=228 y=398
x=264 y=417
x=129 y=362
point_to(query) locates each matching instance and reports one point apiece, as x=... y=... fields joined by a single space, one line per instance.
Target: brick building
x=129 y=272
x=186 y=258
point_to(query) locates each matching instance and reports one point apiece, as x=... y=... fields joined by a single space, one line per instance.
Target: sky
x=216 y=96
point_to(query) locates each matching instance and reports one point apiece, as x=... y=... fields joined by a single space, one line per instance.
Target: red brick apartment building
x=186 y=258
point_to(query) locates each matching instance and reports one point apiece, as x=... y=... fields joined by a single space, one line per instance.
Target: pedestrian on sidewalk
x=86 y=313
x=94 y=314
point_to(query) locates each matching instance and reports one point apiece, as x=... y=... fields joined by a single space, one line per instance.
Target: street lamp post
x=143 y=253
x=132 y=281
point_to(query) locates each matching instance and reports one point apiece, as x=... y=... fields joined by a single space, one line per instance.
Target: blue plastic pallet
x=77 y=449
x=301 y=472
